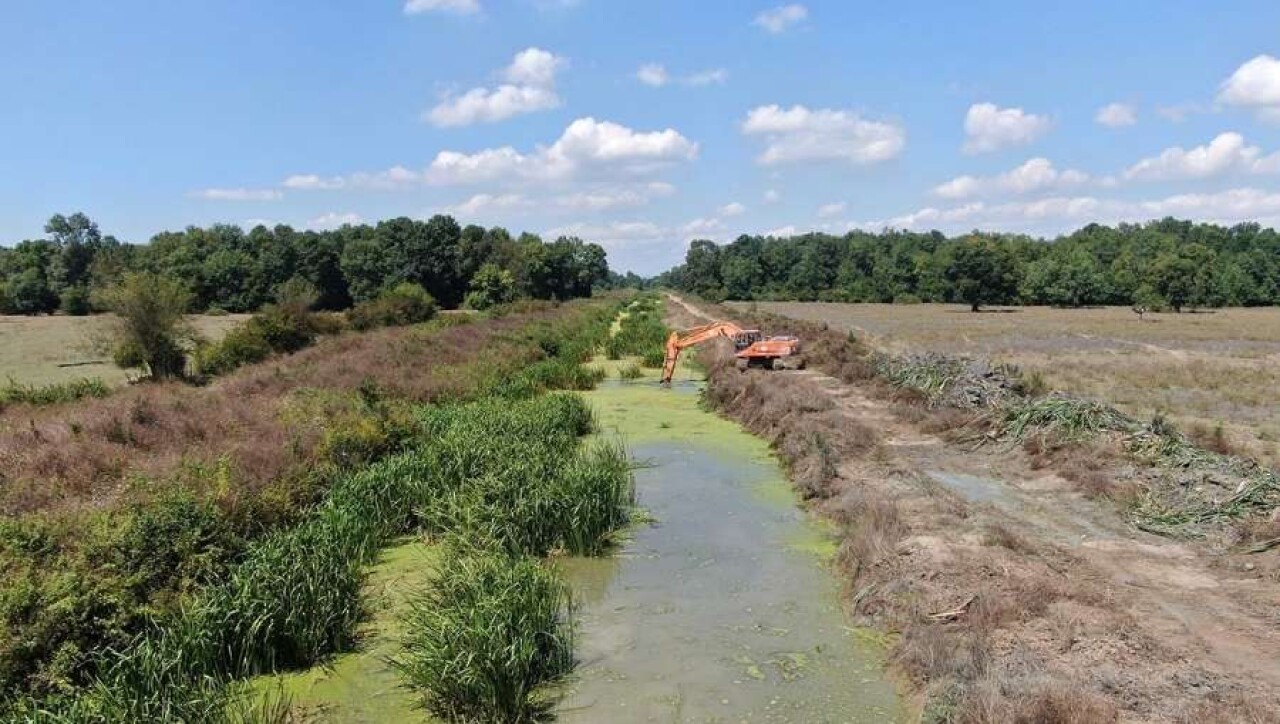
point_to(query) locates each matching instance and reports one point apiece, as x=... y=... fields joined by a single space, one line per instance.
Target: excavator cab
x=746 y=338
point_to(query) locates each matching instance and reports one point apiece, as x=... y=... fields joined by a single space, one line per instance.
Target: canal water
x=722 y=609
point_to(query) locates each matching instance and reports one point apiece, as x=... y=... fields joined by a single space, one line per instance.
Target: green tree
x=982 y=272
x=151 y=330
x=491 y=285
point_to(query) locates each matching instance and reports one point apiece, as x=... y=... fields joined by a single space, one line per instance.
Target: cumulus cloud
x=237 y=194
x=605 y=199
x=732 y=208
x=1256 y=85
x=460 y=7
x=481 y=203
x=713 y=76
x=1117 y=115
x=782 y=18
x=834 y=209
x=988 y=127
x=800 y=134
x=587 y=145
x=1226 y=153
x=334 y=220
x=652 y=75
x=529 y=87
x=312 y=182
x=655 y=75
x=1037 y=174
x=1062 y=213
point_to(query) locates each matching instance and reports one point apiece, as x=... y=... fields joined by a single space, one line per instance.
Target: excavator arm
x=690 y=337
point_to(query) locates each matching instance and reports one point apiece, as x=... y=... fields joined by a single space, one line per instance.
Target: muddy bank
x=724 y=609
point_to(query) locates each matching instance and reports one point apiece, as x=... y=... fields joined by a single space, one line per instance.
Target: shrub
x=151 y=329
x=403 y=304
x=630 y=372
x=75 y=301
x=489 y=631
x=52 y=394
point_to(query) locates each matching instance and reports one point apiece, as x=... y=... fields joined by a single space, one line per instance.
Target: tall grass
x=12 y=392
x=640 y=333
x=495 y=473
x=489 y=631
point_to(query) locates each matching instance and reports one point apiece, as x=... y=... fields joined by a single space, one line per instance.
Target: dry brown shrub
x=873 y=526
x=939 y=652
x=1213 y=439
x=997 y=534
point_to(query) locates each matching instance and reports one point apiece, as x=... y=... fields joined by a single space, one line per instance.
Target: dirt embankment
x=1013 y=596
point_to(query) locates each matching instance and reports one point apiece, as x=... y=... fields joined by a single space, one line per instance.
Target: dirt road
x=1059 y=591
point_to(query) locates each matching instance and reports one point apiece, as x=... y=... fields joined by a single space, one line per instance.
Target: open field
x=1200 y=370
x=49 y=349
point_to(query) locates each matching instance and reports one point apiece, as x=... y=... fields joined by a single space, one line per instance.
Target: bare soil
x=1011 y=595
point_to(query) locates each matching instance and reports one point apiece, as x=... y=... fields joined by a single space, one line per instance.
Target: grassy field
x=50 y=349
x=1202 y=370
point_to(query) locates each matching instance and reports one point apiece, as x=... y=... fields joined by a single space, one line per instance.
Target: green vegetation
x=14 y=393
x=486 y=634
x=405 y=303
x=152 y=330
x=224 y=267
x=158 y=613
x=1168 y=263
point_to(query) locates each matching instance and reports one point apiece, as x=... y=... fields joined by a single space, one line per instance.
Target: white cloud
x=530 y=87
x=238 y=194
x=334 y=220
x=781 y=18
x=481 y=203
x=732 y=208
x=1226 y=153
x=655 y=75
x=660 y=188
x=1117 y=115
x=990 y=128
x=1063 y=213
x=1256 y=85
x=713 y=76
x=535 y=67
x=771 y=196
x=703 y=227
x=312 y=182
x=1037 y=174
x=461 y=7
x=652 y=75
x=835 y=209
x=783 y=231
x=587 y=145
x=801 y=134
x=614 y=235
x=603 y=200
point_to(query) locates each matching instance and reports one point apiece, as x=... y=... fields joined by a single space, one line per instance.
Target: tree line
x=1168 y=263
x=224 y=267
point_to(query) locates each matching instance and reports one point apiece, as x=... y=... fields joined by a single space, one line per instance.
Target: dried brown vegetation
x=1002 y=614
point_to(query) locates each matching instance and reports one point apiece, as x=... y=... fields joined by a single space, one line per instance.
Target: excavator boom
x=749 y=345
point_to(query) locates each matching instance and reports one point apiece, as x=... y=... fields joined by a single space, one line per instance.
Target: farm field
x=1201 y=370
x=49 y=349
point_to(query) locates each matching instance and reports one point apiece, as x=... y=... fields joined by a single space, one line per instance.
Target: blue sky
x=639 y=125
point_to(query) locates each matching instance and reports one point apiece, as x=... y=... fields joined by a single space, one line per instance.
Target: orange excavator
x=751 y=347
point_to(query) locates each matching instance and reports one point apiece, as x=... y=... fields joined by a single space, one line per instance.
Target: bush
x=242 y=345
x=403 y=304
x=75 y=301
x=151 y=329
x=489 y=631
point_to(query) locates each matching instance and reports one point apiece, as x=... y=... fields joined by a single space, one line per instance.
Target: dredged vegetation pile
x=1185 y=490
